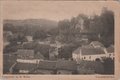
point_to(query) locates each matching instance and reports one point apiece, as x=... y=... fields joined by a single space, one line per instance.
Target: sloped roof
x=66 y=65
x=110 y=49
x=47 y=65
x=77 y=51
x=92 y=51
x=25 y=66
x=25 y=52
x=39 y=56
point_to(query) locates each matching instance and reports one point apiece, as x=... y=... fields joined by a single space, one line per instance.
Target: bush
x=108 y=66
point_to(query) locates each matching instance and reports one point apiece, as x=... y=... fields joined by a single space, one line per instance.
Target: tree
x=108 y=66
x=40 y=34
x=107 y=18
x=104 y=26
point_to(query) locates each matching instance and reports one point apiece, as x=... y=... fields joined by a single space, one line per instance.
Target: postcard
x=59 y=40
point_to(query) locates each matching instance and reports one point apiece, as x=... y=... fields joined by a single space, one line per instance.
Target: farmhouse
x=90 y=54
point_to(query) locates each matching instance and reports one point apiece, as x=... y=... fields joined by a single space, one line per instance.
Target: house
x=39 y=56
x=66 y=67
x=28 y=56
x=45 y=67
x=96 y=44
x=53 y=53
x=29 y=38
x=110 y=52
x=24 y=68
x=6 y=35
x=25 y=54
x=90 y=54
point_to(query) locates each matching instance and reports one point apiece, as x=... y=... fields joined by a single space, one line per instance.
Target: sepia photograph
x=59 y=40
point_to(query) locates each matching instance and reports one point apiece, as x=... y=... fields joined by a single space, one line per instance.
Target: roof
x=110 y=49
x=38 y=55
x=97 y=43
x=77 y=51
x=87 y=46
x=25 y=66
x=47 y=65
x=92 y=51
x=25 y=53
x=29 y=45
x=66 y=65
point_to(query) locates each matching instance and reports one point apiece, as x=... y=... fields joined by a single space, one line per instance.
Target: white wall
x=34 y=61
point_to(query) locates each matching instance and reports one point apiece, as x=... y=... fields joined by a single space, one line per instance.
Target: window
x=84 y=57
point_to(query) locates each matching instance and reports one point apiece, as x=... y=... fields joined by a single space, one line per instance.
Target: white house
x=90 y=54
x=34 y=61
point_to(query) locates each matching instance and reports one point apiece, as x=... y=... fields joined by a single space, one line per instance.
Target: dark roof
x=38 y=55
x=25 y=51
x=110 y=49
x=66 y=65
x=77 y=51
x=92 y=51
x=47 y=65
x=25 y=66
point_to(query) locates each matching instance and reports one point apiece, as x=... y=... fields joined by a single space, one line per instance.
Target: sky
x=53 y=10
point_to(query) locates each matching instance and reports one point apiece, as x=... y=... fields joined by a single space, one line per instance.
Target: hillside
x=31 y=23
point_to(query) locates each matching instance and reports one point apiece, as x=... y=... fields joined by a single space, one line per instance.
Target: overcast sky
x=53 y=10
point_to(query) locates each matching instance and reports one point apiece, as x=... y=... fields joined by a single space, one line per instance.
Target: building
x=53 y=53
x=39 y=56
x=29 y=38
x=89 y=54
x=6 y=35
x=25 y=54
x=96 y=44
x=45 y=67
x=24 y=68
x=66 y=67
x=28 y=56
